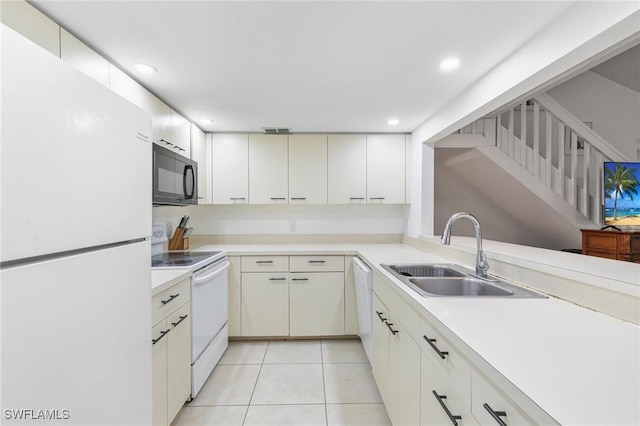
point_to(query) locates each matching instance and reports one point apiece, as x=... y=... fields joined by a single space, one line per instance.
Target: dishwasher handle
x=361 y=265
x=198 y=280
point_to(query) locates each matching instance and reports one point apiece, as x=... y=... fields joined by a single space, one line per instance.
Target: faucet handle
x=483 y=266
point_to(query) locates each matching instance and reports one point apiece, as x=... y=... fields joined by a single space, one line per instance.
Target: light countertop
x=580 y=366
x=162 y=279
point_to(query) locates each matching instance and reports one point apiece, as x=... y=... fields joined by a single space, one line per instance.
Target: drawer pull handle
x=356 y=198
x=431 y=343
x=182 y=318
x=394 y=332
x=317 y=261
x=376 y=198
x=162 y=334
x=166 y=142
x=264 y=261
x=496 y=414
x=454 y=419
x=173 y=296
x=380 y=316
x=277 y=198
x=298 y=198
x=237 y=198
x=299 y=279
x=277 y=279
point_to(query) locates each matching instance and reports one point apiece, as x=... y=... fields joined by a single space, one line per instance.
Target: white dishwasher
x=363 y=280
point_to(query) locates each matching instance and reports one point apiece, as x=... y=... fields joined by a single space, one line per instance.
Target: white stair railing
x=554 y=146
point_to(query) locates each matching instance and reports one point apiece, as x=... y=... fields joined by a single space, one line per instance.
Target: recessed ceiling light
x=450 y=64
x=206 y=121
x=393 y=122
x=145 y=68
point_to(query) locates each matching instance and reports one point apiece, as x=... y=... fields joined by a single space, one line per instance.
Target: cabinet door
x=160 y=122
x=404 y=376
x=380 y=338
x=265 y=304
x=199 y=154
x=268 y=169
x=235 y=297
x=487 y=398
x=316 y=304
x=308 y=169
x=350 y=307
x=230 y=164
x=159 y=374
x=447 y=405
x=180 y=134
x=32 y=24
x=83 y=58
x=386 y=169
x=347 y=169
x=178 y=360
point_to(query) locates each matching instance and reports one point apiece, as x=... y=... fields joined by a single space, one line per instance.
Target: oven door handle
x=199 y=280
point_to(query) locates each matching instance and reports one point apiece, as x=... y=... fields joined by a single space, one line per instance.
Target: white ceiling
x=311 y=66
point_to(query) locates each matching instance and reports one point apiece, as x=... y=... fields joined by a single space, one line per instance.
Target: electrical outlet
x=293 y=225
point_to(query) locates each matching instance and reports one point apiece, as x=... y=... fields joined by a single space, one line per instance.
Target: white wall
x=613 y=109
x=277 y=219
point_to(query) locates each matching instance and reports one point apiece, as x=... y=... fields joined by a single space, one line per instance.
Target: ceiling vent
x=276 y=130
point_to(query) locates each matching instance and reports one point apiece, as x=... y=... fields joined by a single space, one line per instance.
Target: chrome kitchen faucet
x=481 y=260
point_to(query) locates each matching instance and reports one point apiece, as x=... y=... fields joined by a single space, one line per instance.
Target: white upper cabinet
x=32 y=24
x=199 y=154
x=386 y=169
x=308 y=169
x=160 y=122
x=180 y=134
x=230 y=169
x=347 y=169
x=268 y=169
x=83 y=58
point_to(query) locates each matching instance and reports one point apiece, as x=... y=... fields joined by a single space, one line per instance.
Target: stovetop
x=185 y=259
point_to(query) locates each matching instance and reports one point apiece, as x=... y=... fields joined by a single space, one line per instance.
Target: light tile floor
x=309 y=382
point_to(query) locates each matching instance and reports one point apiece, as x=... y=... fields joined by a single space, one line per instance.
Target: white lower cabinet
x=491 y=406
x=316 y=304
x=235 y=297
x=265 y=304
x=431 y=382
x=171 y=353
x=440 y=402
x=278 y=296
x=159 y=374
x=396 y=366
x=350 y=305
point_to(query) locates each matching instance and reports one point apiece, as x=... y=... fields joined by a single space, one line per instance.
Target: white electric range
x=209 y=302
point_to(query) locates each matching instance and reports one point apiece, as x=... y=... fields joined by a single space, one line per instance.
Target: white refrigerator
x=75 y=280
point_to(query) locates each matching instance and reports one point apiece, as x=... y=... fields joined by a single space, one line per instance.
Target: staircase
x=548 y=150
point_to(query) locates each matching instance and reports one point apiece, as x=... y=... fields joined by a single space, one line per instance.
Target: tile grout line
x=255 y=385
x=324 y=387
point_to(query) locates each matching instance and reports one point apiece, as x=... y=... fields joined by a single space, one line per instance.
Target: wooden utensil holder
x=178 y=242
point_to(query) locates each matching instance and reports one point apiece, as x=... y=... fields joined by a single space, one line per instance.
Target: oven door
x=174 y=178
x=209 y=305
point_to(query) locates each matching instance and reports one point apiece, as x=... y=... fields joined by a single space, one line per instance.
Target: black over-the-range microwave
x=174 y=178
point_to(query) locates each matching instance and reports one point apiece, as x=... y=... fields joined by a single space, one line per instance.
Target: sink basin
x=426 y=270
x=451 y=280
x=459 y=286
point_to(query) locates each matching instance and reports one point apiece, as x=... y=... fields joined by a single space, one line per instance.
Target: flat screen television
x=622 y=194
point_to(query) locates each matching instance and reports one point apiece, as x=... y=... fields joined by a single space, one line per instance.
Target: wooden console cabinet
x=612 y=244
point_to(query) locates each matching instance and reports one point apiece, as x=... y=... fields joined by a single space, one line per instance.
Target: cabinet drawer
x=486 y=397
x=168 y=301
x=434 y=408
x=317 y=263
x=449 y=361
x=265 y=263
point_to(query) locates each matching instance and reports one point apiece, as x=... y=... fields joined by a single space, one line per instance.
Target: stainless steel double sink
x=450 y=280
